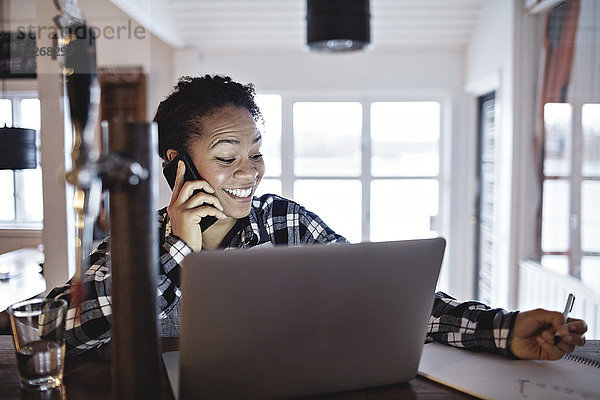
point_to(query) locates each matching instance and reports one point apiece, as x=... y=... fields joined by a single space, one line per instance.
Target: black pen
x=568 y=308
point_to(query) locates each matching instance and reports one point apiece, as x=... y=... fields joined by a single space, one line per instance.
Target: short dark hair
x=193 y=98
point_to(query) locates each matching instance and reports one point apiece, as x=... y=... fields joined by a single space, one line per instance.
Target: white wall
x=154 y=15
x=136 y=46
x=489 y=66
x=160 y=81
x=527 y=69
x=371 y=70
x=490 y=48
x=585 y=83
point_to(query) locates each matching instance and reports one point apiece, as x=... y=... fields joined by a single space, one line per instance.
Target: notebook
x=491 y=376
x=289 y=322
x=589 y=354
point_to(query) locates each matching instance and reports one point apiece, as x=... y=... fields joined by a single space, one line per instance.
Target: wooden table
x=20 y=277
x=88 y=377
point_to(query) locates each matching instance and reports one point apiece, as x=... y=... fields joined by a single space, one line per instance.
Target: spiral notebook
x=491 y=376
x=588 y=354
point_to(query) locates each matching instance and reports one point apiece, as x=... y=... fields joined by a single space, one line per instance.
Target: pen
x=568 y=308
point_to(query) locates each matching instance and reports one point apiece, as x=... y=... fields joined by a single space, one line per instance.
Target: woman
x=214 y=120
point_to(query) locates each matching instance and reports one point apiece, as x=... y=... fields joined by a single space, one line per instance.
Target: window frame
x=575 y=178
x=288 y=177
x=20 y=222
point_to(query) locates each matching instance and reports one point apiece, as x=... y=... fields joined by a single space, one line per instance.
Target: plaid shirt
x=273 y=220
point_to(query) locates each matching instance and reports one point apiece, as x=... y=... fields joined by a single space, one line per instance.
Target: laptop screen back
x=289 y=322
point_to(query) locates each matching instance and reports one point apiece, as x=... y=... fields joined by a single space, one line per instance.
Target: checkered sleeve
x=92 y=328
x=172 y=253
x=311 y=228
x=471 y=325
x=288 y=223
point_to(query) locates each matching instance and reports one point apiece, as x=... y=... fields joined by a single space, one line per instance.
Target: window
x=270 y=106
x=21 y=201
x=327 y=163
x=353 y=161
x=405 y=141
x=571 y=191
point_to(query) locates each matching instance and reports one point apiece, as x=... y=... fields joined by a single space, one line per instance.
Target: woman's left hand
x=534 y=331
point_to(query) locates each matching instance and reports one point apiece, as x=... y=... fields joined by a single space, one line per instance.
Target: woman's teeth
x=239 y=192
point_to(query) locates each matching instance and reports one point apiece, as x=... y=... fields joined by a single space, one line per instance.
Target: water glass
x=38 y=331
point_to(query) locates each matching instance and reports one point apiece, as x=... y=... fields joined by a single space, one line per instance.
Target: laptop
x=285 y=322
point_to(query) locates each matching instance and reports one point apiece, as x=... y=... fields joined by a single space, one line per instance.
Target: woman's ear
x=171 y=154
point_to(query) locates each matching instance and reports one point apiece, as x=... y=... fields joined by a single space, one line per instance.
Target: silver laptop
x=290 y=322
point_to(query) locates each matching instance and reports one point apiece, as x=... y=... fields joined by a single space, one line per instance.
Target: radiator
x=539 y=287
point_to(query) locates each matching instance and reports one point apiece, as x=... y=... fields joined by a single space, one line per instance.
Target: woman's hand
x=186 y=209
x=533 y=335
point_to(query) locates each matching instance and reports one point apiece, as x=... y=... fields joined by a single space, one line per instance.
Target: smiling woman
x=217 y=123
x=227 y=157
x=228 y=154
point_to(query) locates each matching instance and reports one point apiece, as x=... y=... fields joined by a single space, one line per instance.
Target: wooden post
x=134 y=257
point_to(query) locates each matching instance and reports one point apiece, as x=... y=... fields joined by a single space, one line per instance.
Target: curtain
x=559 y=50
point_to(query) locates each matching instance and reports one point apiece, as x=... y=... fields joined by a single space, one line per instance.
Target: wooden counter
x=87 y=377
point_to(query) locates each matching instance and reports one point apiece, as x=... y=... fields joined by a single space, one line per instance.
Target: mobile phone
x=191 y=174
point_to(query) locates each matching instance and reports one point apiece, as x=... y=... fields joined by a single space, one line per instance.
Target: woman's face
x=227 y=155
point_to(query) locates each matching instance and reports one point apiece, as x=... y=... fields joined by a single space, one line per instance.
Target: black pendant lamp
x=17 y=148
x=338 y=25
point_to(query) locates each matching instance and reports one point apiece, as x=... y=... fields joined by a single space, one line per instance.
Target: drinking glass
x=38 y=331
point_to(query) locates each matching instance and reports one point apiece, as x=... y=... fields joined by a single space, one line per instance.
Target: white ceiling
x=280 y=25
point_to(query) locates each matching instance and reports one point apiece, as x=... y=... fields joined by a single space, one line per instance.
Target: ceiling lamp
x=17 y=148
x=338 y=25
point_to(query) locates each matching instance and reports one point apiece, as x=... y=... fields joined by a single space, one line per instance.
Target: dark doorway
x=484 y=204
